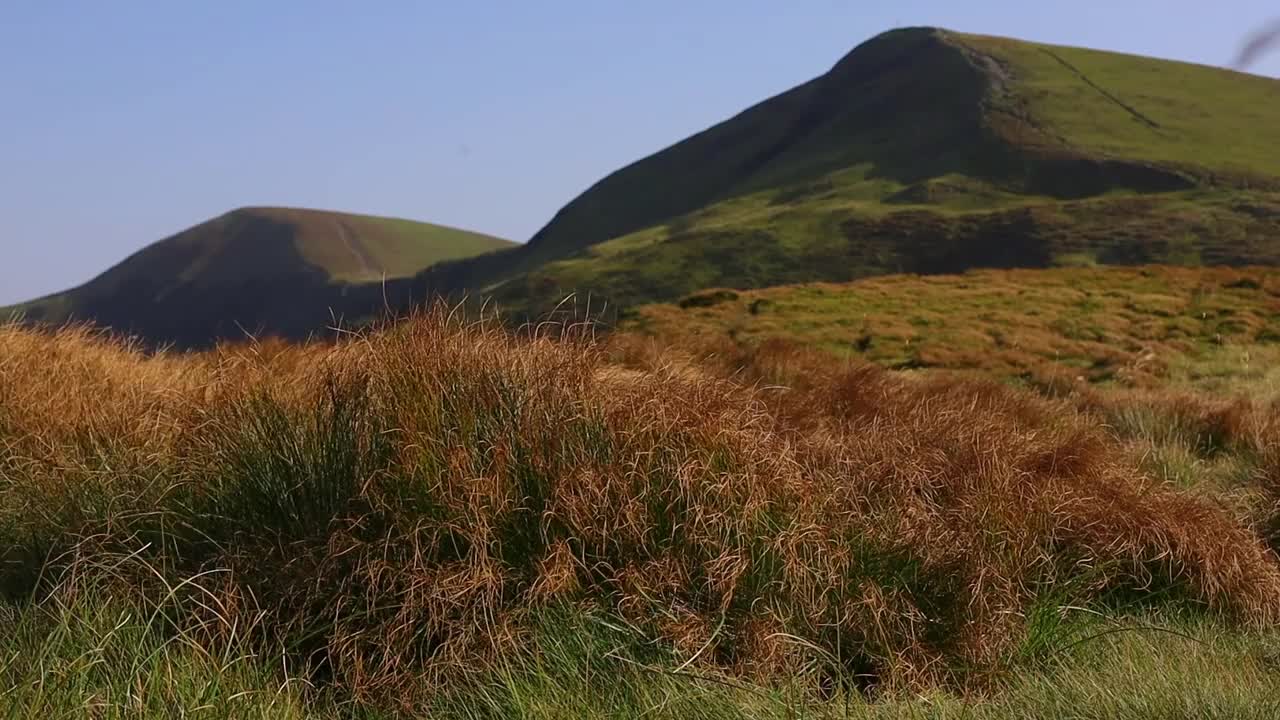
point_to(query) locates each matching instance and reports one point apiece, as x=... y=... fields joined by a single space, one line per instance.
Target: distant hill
x=282 y=271
x=924 y=150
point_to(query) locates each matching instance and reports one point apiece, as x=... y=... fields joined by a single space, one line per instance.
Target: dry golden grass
x=390 y=509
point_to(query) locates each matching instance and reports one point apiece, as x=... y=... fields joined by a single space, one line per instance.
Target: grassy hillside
x=275 y=270
x=1135 y=326
x=925 y=151
x=442 y=519
x=372 y=248
x=921 y=151
x=1208 y=122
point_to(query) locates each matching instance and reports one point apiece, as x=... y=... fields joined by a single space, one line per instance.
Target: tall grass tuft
x=393 y=512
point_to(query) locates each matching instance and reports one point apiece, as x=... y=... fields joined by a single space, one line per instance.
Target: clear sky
x=123 y=122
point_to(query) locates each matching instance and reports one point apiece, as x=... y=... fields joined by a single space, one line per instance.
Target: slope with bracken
x=925 y=151
x=281 y=271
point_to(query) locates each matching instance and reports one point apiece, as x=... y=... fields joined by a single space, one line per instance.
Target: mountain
x=281 y=271
x=921 y=151
x=925 y=151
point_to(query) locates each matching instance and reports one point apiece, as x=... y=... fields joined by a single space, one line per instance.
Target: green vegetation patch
x=1149 y=325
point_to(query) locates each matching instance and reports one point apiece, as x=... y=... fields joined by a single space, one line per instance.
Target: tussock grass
x=390 y=515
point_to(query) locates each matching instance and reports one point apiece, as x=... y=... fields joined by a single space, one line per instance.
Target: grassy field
x=445 y=519
x=1206 y=328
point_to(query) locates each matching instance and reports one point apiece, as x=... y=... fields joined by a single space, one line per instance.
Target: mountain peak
x=923 y=148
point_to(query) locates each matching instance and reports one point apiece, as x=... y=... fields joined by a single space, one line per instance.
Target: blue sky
x=123 y=122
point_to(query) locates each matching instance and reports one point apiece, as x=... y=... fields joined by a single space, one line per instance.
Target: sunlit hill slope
x=926 y=151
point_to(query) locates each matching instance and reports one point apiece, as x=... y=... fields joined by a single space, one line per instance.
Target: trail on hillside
x=1137 y=114
x=368 y=266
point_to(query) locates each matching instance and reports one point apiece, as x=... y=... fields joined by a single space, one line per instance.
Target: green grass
x=83 y=656
x=1215 y=330
x=1215 y=674
x=404 y=247
x=1138 y=666
x=749 y=244
x=388 y=248
x=112 y=660
x=1170 y=113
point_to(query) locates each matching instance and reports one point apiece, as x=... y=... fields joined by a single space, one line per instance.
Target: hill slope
x=925 y=150
x=283 y=271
